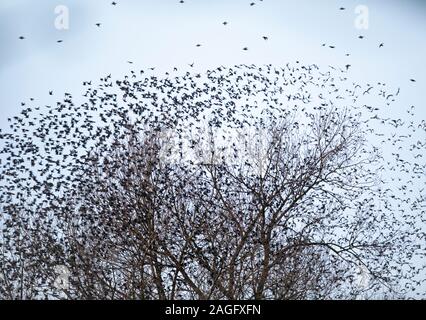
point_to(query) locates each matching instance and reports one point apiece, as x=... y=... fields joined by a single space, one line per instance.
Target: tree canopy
x=245 y=182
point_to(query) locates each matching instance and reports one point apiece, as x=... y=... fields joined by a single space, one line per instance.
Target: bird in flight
x=21 y=38
x=198 y=45
x=60 y=41
x=245 y=48
x=98 y=25
x=412 y=80
x=114 y=3
x=342 y=8
x=381 y=45
x=224 y=23
x=265 y=38
x=360 y=37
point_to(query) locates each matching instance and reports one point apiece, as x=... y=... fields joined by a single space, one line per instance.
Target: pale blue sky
x=164 y=34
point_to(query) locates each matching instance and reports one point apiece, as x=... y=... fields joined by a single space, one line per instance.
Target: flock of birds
x=225 y=23
x=45 y=145
x=67 y=118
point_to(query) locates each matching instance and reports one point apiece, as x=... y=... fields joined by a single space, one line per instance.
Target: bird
x=360 y=37
x=252 y=4
x=265 y=38
x=245 y=49
x=225 y=23
x=381 y=45
x=114 y=3
x=21 y=38
x=98 y=24
x=50 y=93
x=368 y=90
x=342 y=8
x=198 y=45
x=413 y=80
x=59 y=41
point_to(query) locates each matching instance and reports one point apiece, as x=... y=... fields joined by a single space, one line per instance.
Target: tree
x=163 y=194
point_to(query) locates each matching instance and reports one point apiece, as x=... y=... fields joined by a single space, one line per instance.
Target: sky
x=164 y=34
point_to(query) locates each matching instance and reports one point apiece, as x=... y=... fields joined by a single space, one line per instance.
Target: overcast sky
x=164 y=34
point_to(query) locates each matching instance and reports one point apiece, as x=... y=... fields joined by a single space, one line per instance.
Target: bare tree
x=282 y=220
x=149 y=201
